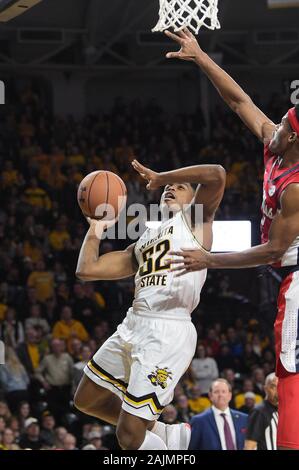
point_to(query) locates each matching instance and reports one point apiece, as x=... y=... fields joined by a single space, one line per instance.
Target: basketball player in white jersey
x=132 y=377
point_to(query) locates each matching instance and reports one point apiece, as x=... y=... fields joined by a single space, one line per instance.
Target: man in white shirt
x=219 y=427
x=205 y=369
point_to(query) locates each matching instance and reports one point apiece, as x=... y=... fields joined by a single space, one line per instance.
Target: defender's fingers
x=173 y=55
x=176 y=261
x=176 y=253
x=175 y=37
x=182 y=34
x=182 y=273
x=188 y=33
x=177 y=268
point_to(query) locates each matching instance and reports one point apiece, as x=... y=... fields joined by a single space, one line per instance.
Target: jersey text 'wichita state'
x=158 y=293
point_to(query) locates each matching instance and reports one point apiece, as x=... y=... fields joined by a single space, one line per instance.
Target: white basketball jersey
x=158 y=293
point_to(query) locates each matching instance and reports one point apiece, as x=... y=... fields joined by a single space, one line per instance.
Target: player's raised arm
x=108 y=267
x=229 y=90
x=210 y=178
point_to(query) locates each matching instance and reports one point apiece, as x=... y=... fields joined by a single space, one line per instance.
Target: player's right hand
x=100 y=225
x=190 y=49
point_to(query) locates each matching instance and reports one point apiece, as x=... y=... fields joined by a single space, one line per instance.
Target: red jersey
x=276 y=179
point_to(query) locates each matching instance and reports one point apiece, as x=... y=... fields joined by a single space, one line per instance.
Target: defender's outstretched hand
x=189 y=260
x=190 y=49
x=152 y=177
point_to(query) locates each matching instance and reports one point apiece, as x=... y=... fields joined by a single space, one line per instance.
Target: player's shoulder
x=289 y=198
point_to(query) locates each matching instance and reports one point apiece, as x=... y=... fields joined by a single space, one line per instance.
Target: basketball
x=102 y=195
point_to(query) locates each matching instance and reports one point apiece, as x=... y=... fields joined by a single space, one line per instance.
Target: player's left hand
x=189 y=260
x=152 y=177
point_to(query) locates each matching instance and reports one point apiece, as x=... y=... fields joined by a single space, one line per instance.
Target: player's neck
x=167 y=213
x=290 y=158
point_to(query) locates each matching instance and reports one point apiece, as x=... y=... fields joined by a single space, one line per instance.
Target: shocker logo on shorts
x=160 y=376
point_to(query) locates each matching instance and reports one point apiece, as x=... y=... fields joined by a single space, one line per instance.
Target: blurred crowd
x=51 y=323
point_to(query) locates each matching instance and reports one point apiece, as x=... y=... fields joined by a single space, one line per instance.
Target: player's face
x=175 y=196
x=280 y=139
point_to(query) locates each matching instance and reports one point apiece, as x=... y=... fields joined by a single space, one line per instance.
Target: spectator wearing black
x=31 y=438
x=182 y=406
x=258 y=378
x=29 y=352
x=80 y=302
x=262 y=422
x=47 y=428
x=101 y=333
x=225 y=358
x=249 y=403
x=249 y=359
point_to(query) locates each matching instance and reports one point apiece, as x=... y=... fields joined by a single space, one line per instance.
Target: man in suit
x=219 y=427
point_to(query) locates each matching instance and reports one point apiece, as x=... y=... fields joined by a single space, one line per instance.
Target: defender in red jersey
x=279 y=227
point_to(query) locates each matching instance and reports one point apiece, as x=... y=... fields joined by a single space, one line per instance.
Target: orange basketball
x=102 y=195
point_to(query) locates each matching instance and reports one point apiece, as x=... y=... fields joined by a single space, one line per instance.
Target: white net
x=193 y=14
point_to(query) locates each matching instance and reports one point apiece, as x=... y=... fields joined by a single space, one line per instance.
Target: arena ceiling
x=107 y=33
x=110 y=15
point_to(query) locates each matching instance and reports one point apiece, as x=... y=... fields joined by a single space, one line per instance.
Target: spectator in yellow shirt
x=93 y=295
x=3 y=309
x=248 y=386
x=67 y=328
x=75 y=156
x=197 y=403
x=59 y=236
x=36 y=196
x=42 y=281
x=32 y=250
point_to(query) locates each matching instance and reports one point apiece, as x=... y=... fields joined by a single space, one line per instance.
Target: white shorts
x=143 y=362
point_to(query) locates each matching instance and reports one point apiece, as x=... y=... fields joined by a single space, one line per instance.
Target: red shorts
x=288 y=408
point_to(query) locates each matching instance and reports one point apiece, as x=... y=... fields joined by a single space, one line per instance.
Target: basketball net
x=193 y=14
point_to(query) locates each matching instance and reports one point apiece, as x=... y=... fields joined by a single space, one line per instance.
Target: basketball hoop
x=193 y=14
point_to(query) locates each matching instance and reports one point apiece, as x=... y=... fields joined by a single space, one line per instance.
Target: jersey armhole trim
x=193 y=236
